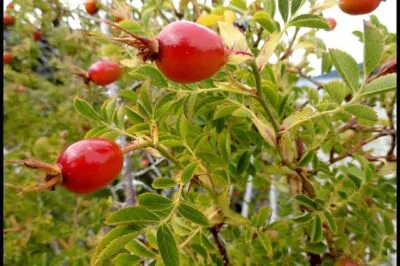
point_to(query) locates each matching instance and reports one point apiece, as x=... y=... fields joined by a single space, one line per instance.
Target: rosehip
x=91 y=6
x=37 y=35
x=89 y=165
x=104 y=72
x=8 y=20
x=332 y=23
x=189 y=52
x=10 y=5
x=346 y=262
x=358 y=7
x=7 y=57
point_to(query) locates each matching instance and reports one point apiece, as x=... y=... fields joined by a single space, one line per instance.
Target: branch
x=221 y=248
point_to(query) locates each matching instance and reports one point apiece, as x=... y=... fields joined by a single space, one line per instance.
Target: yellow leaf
x=233 y=37
x=209 y=19
x=229 y=16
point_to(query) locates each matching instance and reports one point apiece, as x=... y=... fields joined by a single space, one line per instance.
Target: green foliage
x=251 y=121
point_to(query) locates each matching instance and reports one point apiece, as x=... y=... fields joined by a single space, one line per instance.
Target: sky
x=341 y=38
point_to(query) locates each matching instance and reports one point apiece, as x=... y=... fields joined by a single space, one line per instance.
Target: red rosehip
x=104 y=72
x=8 y=20
x=7 y=57
x=332 y=23
x=346 y=262
x=358 y=7
x=37 y=35
x=89 y=165
x=91 y=6
x=189 y=52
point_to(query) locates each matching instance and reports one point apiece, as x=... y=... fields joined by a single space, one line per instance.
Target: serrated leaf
x=303 y=218
x=145 y=96
x=297 y=118
x=266 y=131
x=295 y=5
x=356 y=181
x=167 y=246
x=85 y=109
x=331 y=221
x=267 y=50
x=131 y=26
x=306 y=202
x=188 y=172
x=243 y=163
x=362 y=111
x=120 y=117
x=261 y=217
x=373 y=47
x=128 y=95
x=224 y=146
x=209 y=19
x=315 y=248
x=163 y=182
x=337 y=90
x=233 y=37
x=224 y=111
x=110 y=110
x=134 y=116
x=125 y=259
x=326 y=64
x=309 y=21
x=154 y=201
x=113 y=242
x=283 y=6
x=266 y=243
x=316 y=229
x=381 y=85
x=346 y=66
x=182 y=125
x=132 y=215
x=94 y=132
x=189 y=106
x=265 y=20
x=157 y=79
x=136 y=247
x=193 y=214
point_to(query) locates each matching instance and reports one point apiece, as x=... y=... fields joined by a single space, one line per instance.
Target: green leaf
x=114 y=242
x=224 y=111
x=154 y=201
x=268 y=49
x=346 y=66
x=303 y=218
x=373 y=47
x=125 y=259
x=316 y=229
x=337 y=90
x=296 y=4
x=189 y=106
x=381 y=85
x=260 y=218
x=361 y=111
x=243 y=163
x=157 y=79
x=356 y=181
x=283 y=6
x=388 y=224
x=326 y=64
x=112 y=235
x=119 y=119
x=94 y=132
x=306 y=202
x=134 y=116
x=224 y=145
x=132 y=215
x=85 y=109
x=309 y=21
x=131 y=26
x=110 y=110
x=297 y=118
x=182 y=125
x=163 y=182
x=266 y=243
x=193 y=214
x=331 y=221
x=145 y=96
x=167 y=246
x=265 y=20
x=136 y=247
x=188 y=172
x=315 y=248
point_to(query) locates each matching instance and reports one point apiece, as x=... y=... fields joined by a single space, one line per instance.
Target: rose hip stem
x=50 y=169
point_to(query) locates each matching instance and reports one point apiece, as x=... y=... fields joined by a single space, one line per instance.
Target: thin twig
x=221 y=248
